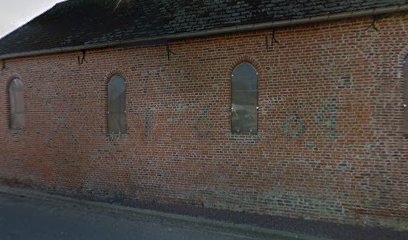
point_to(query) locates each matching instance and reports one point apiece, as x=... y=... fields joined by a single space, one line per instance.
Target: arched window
x=405 y=126
x=117 y=105
x=17 y=109
x=244 y=99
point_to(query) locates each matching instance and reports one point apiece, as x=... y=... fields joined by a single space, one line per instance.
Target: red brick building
x=283 y=108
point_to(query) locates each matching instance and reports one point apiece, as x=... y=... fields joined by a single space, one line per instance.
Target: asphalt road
x=25 y=218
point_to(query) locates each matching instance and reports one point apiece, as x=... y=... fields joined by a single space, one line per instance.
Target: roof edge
x=212 y=32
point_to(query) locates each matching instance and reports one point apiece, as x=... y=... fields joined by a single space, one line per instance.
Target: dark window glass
x=17 y=109
x=406 y=97
x=117 y=105
x=244 y=99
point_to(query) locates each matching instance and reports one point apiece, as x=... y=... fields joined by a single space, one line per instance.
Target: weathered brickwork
x=329 y=147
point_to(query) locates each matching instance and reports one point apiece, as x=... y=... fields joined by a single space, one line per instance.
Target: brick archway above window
x=246 y=59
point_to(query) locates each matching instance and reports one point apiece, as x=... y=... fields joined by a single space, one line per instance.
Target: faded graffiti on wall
x=61 y=120
x=293 y=126
x=203 y=124
x=327 y=116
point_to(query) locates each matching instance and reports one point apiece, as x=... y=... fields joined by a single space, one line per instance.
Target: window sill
x=116 y=137
x=245 y=137
x=16 y=131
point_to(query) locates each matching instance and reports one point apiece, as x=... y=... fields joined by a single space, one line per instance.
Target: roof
x=85 y=23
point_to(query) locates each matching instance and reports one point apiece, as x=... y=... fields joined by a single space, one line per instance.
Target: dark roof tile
x=84 y=22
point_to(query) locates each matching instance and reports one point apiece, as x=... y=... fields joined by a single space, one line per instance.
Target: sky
x=14 y=13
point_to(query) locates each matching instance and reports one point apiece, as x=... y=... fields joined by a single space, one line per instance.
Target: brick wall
x=330 y=143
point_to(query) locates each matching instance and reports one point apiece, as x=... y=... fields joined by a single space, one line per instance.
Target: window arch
x=16 y=101
x=244 y=99
x=117 y=105
x=405 y=89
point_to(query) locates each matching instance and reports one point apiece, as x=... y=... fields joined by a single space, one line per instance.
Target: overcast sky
x=14 y=13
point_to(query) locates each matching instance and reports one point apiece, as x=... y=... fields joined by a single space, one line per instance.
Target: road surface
x=24 y=218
